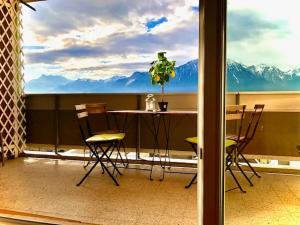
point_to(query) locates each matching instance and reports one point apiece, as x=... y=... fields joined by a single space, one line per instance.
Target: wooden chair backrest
x=237 y=113
x=254 y=121
x=81 y=111
x=82 y=118
x=90 y=112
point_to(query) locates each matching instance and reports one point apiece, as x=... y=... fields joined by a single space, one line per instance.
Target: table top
x=179 y=112
x=169 y=112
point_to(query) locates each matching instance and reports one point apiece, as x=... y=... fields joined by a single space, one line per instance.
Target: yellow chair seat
x=229 y=142
x=194 y=140
x=106 y=137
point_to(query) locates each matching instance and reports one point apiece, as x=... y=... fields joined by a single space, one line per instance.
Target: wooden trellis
x=12 y=105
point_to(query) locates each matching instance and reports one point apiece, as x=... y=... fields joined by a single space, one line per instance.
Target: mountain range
x=239 y=78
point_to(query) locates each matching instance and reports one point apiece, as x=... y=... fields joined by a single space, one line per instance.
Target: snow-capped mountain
x=45 y=84
x=260 y=78
x=296 y=71
x=239 y=78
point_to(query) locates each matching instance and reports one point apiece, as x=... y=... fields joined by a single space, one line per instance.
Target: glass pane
x=102 y=47
x=263 y=73
x=91 y=52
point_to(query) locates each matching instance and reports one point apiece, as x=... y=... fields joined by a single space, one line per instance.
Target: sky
x=264 y=32
x=98 y=39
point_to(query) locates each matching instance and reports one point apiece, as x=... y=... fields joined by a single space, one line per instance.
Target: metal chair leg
x=87 y=174
x=116 y=161
x=119 y=153
x=109 y=160
x=229 y=162
x=84 y=150
x=192 y=181
x=194 y=146
x=89 y=162
x=124 y=149
x=109 y=173
x=99 y=160
x=236 y=181
x=252 y=169
x=242 y=171
x=104 y=153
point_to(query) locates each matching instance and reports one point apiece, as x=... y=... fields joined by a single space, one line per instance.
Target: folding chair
x=250 y=133
x=194 y=141
x=235 y=113
x=243 y=141
x=98 y=144
x=98 y=109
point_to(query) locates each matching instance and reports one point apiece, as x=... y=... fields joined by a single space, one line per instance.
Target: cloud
x=55 y=56
x=127 y=66
x=149 y=43
x=121 y=44
x=155 y=22
x=246 y=25
x=57 y=17
x=80 y=35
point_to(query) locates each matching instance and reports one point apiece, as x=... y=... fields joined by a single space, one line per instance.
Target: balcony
x=53 y=137
x=45 y=157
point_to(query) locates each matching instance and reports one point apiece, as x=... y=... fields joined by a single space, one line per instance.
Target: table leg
x=167 y=126
x=138 y=139
x=156 y=142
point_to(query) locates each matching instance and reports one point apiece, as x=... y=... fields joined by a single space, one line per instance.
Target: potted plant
x=160 y=72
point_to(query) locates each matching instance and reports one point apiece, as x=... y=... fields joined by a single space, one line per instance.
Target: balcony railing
x=51 y=120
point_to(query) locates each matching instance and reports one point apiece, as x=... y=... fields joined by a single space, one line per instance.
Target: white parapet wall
x=12 y=104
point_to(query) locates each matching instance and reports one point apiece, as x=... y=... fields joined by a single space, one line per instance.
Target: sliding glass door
x=262 y=186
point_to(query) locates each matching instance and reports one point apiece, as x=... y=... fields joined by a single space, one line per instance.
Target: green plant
x=161 y=70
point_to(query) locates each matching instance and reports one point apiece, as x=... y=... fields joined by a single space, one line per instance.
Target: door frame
x=211 y=106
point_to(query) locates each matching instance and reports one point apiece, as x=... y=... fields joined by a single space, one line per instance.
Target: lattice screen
x=12 y=106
